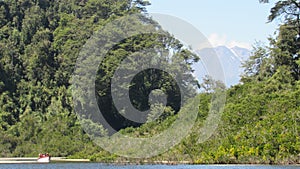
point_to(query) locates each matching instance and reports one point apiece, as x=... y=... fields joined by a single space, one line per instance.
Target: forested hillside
x=40 y=41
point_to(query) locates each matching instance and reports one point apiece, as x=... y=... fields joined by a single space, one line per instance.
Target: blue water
x=105 y=166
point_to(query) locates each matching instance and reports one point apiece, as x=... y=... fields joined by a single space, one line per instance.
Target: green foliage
x=39 y=44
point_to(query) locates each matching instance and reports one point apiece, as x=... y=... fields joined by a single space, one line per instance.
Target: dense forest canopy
x=40 y=41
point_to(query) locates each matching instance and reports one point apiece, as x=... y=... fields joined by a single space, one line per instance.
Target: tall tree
x=284 y=50
x=289 y=12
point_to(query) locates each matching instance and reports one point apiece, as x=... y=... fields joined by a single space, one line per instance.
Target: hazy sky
x=223 y=22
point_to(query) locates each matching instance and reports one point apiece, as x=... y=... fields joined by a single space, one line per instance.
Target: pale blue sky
x=223 y=22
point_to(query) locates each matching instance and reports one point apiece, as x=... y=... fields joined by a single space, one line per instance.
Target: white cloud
x=222 y=40
x=239 y=44
x=217 y=40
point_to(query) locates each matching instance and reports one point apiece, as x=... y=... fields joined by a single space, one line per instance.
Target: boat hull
x=44 y=160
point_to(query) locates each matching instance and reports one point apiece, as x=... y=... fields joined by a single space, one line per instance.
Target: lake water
x=105 y=166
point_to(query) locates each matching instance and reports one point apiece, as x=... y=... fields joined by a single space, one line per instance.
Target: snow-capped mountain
x=242 y=53
x=230 y=59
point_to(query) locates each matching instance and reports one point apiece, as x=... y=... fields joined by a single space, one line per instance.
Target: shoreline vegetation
x=32 y=160
x=40 y=41
x=191 y=163
x=166 y=162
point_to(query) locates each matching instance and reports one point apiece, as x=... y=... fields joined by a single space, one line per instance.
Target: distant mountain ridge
x=231 y=60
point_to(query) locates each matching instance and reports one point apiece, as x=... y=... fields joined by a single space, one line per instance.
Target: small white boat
x=44 y=158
